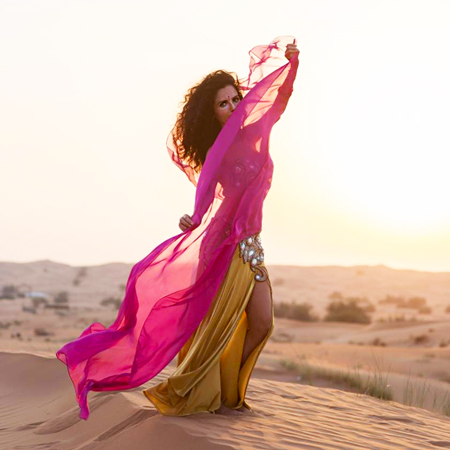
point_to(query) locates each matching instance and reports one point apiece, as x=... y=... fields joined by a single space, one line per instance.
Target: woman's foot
x=243 y=408
x=228 y=411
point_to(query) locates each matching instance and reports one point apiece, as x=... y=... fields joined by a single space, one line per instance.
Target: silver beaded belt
x=251 y=251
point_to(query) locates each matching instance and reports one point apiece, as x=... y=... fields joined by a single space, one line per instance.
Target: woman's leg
x=259 y=315
x=260 y=320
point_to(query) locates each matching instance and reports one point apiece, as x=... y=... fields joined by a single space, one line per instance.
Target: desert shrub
x=62 y=297
x=421 y=339
x=366 y=305
x=82 y=272
x=294 y=311
x=8 y=292
x=400 y=302
x=447 y=310
x=346 y=311
x=379 y=342
x=369 y=308
x=114 y=301
x=424 y=310
x=42 y=332
x=37 y=301
x=417 y=302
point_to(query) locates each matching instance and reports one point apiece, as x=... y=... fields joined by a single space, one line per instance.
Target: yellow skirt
x=208 y=369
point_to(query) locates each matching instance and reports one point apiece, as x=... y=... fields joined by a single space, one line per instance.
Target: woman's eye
x=236 y=99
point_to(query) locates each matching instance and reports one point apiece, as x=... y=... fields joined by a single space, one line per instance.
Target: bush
x=62 y=297
x=400 y=302
x=9 y=292
x=417 y=302
x=42 y=332
x=295 y=311
x=346 y=311
x=378 y=341
x=114 y=301
x=37 y=301
x=421 y=339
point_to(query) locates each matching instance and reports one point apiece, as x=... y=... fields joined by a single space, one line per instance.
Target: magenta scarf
x=169 y=292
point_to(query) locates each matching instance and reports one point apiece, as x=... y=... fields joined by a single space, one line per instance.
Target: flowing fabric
x=209 y=367
x=170 y=291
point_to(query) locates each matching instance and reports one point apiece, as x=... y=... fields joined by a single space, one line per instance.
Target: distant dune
x=88 y=286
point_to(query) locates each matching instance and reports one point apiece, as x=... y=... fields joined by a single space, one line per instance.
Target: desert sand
x=38 y=411
x=302 y=392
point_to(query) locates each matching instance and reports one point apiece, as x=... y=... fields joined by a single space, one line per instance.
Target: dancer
x=204 y=294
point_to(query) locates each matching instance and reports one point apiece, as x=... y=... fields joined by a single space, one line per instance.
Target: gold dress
x=208 y=369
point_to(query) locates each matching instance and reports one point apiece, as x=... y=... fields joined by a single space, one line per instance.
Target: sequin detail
x=251 y=251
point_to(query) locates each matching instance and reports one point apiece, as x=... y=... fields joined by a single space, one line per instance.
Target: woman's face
x=225 y=103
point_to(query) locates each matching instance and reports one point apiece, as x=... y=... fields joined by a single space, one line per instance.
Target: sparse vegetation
x=42 y=332
x=62 y=297
x=8 y=292
x=420 y=339
x=346 y=311
x=82 y=272
x=374 y=384
x=114 y=301
x=37 y=301
x=397 y=318
x=417 y=303
x=416 y=393
x=295 y=311
x=378 y=342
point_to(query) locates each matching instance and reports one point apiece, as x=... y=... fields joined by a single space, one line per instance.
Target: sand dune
x=38 y=410
x=87 y=286
x=297 y=391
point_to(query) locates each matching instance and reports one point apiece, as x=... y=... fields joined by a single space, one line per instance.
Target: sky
x=89 y=91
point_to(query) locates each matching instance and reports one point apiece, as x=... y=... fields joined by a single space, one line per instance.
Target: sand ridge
x=38 y=410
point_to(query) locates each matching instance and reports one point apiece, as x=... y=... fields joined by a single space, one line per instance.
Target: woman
x=203 y=295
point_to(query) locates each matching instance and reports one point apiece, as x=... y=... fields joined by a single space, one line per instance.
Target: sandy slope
x=38 y=410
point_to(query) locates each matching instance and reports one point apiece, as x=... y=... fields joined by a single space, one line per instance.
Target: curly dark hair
x=197 y=127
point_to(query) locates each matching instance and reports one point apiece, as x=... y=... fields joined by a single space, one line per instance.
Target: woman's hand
x=291 y=50
x=185 y=222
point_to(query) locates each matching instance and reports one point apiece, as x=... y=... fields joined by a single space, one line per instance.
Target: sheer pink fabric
x=169 y=292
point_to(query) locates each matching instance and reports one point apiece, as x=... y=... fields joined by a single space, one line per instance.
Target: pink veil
x=169 y=292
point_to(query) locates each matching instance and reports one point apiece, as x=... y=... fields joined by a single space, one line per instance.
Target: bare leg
x=259 y=314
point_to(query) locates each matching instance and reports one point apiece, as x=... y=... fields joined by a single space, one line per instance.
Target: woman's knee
x=263 y=328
